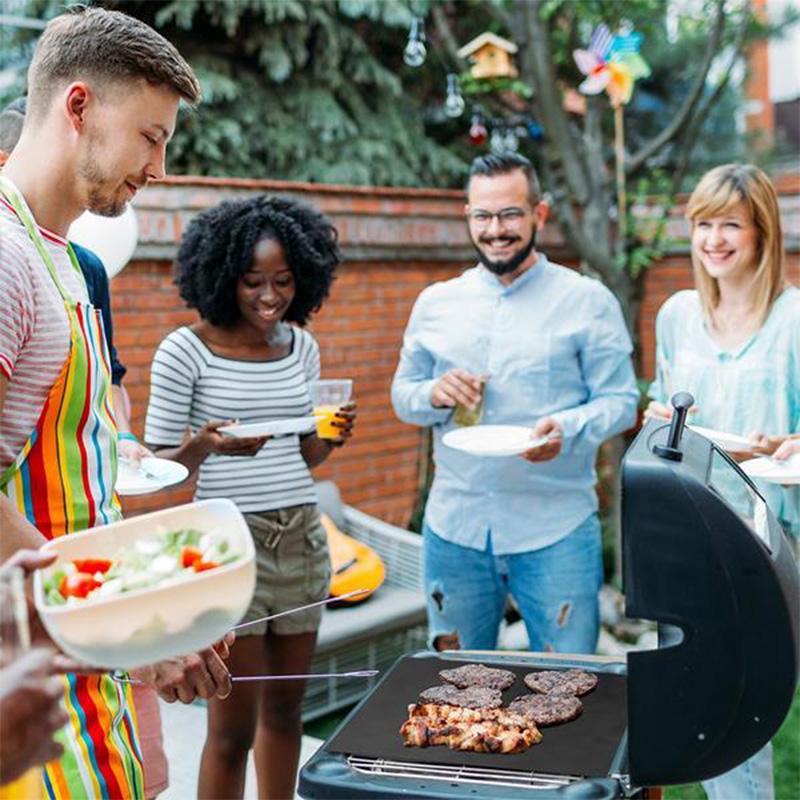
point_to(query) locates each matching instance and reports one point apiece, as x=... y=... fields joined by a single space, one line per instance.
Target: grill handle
x=681 y=403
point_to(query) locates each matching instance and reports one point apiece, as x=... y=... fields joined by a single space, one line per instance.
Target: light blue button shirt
x=553 y=343
x=754 y=388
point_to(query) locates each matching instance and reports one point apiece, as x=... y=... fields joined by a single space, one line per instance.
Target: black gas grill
x=720 y=581
x=368 y=746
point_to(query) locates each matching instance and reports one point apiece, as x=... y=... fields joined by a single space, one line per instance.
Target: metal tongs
x=361 y=673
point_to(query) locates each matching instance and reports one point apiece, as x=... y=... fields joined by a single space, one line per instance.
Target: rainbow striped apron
x=63 y=482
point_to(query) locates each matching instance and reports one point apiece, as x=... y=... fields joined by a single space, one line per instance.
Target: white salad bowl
x=173 y=618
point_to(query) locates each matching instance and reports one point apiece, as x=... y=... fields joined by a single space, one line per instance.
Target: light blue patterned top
x=754 y=388
x=553 y=343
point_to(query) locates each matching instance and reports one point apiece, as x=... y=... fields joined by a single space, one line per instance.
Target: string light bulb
x=510 y=140
x=454 y=104
x=535 y=130
x=497 y=142
x=477 y=130
x=415 y=52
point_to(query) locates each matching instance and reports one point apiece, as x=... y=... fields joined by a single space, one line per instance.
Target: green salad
x=168 y=557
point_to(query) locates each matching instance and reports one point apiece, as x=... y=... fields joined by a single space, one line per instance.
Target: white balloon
x=112 y=239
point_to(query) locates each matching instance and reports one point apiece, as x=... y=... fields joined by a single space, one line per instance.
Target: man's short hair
x=106 y=47
x=501 y=164
x=11 y=119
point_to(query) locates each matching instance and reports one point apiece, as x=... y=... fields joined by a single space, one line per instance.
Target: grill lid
x=705 y=557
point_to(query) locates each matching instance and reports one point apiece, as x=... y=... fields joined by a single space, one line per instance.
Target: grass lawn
x=786 y=749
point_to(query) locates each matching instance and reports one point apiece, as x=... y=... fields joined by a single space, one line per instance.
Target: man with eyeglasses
x=537 y=345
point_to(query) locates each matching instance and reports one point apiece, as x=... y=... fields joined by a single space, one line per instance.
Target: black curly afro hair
x=217 y=249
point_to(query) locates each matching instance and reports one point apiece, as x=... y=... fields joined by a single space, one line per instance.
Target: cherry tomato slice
x=202 y=566
x=92 y=565
x=189 y=556
x=78 y=584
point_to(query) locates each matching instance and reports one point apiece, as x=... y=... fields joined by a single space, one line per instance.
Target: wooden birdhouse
x=490 y=56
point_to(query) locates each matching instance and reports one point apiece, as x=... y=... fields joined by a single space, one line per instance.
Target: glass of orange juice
x=328 y=396
x=14 y=641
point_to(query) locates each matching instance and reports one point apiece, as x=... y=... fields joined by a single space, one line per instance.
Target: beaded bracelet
x=126 y=436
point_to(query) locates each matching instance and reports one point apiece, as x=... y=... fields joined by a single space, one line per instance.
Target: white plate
x=128 y=630
x=492 y=440
x=766 y=469
x=731 y=442
x=275 y=427
x=153 y=475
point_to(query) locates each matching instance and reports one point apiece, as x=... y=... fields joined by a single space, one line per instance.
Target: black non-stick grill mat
x=584 y=747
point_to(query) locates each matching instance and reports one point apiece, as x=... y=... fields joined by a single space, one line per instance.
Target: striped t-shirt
x=191 y=385
x=34 y=326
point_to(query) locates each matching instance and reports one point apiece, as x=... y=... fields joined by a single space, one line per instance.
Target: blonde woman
x=734 y=343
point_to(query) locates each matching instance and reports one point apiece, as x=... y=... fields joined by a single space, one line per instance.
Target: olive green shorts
x=293 y=568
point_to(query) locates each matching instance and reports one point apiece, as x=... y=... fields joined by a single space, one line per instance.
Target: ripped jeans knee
x=440 y=640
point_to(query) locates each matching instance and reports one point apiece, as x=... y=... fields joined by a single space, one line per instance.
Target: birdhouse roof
x=486 y=39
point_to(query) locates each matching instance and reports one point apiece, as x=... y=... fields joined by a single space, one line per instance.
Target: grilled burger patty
x=478 y=730
x=473 y=697
x=571 y=681
x=547 y=709
x=478 y=675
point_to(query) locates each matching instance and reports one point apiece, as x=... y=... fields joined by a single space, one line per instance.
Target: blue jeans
x=555 y=589
x=751 y=780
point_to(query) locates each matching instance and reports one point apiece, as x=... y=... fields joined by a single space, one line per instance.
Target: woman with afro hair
x=255 y=270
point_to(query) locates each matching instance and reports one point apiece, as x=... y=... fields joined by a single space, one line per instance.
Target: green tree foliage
x=295 y=90
x=299 y=91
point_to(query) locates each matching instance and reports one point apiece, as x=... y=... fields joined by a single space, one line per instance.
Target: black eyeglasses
x=505 y=216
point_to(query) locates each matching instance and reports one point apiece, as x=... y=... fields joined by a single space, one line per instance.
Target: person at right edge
x=557 y=354
x=733 y=342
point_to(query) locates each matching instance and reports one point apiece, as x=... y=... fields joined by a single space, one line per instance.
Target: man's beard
x=504 y=267
x=100 y=200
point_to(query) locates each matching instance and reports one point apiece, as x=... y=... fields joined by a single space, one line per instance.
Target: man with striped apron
x=103 y=95
x=62 y=481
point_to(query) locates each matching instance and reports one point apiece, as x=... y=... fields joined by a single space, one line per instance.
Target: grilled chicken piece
x=478 y=730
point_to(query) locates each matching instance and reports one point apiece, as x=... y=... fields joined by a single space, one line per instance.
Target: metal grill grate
x=475 y=775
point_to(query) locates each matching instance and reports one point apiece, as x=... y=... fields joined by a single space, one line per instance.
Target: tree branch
x=591 y=252
x=501 y=15
x=689 y=137
x=537 y=62
x=593 y=134
x=638 y=160
x=448 y=39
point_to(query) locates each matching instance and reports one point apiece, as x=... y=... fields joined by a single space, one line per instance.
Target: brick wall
x=395 y=242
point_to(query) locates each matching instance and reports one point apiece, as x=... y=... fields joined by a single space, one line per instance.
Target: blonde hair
x=718 y=191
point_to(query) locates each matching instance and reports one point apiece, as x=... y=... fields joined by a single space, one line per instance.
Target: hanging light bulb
x=477 y=130
x=510 y=141
x=415 y=52
x=535 y=130
x=454 y=105
x=497 y=142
